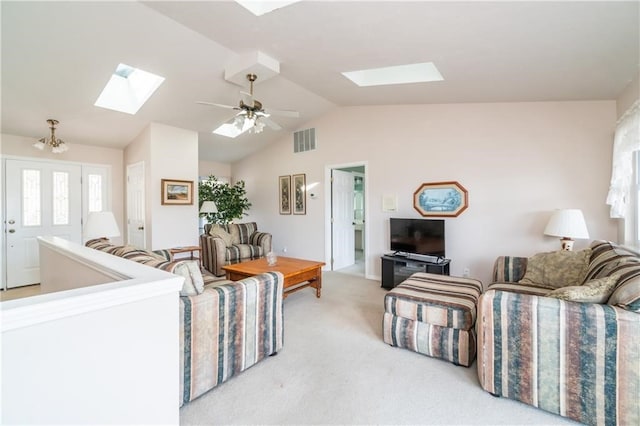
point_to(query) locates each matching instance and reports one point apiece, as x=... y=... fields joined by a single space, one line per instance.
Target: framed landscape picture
x=299 y=194
x=441 y=199
x=177 y=192
x=284 y=188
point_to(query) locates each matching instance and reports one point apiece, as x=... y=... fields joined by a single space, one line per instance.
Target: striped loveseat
x=578 y=360
x=225 y=326
x=239 y=242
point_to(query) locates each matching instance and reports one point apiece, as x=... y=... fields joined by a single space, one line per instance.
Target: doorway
x=346 y=209
x=48 y=198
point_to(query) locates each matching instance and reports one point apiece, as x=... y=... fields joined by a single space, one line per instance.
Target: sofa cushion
x=240 y=232
x=238 y=252
x=218 y=231
x=594 y=291
x=557 y=269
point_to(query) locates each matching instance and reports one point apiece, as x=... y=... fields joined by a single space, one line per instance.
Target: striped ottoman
x=434 y=315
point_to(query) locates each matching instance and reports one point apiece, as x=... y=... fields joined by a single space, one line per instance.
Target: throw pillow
x=193 y=281
x=627 y=294
x=218 y=231
x=557 y=269
x=594 y=291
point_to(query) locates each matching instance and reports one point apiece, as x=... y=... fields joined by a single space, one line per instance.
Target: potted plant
x=231 y=200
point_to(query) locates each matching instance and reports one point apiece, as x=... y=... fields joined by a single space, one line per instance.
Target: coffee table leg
x=319 y=283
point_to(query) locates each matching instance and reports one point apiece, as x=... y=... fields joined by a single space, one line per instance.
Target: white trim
x=136 y=282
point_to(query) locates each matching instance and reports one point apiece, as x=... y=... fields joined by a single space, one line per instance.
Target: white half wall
x=519 y=162
x=94 y=354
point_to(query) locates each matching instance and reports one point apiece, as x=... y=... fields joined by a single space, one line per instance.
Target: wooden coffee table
x=298 y=273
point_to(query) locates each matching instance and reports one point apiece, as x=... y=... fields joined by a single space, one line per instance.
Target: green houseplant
x=231 y=200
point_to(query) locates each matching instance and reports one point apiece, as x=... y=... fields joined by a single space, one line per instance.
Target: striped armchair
x=578 y=360
x=246 y=244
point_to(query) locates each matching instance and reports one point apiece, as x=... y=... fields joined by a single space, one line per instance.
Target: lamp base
x=567 y=244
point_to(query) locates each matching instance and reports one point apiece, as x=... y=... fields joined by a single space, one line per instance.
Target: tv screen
x=420 y=236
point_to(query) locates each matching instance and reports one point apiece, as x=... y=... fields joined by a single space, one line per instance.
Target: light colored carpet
x=335 y=369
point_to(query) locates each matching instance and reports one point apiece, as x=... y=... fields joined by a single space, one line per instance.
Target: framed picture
x=284 y=189
x=441 y=199
x=299 y=194
x=177 y=192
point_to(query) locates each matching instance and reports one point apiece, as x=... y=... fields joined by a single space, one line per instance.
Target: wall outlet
x=284 y=249
x=465 y=272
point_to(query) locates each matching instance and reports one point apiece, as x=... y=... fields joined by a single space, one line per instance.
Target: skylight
x=128 y=89
x=260 y=7
x=230 y=130
x=400 y=74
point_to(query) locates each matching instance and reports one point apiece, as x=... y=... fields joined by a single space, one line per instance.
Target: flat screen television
x=419 y=236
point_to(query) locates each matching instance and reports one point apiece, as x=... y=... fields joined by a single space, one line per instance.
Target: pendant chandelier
x=58 y=146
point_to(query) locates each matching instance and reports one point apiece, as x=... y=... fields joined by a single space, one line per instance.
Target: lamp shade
x=568 y=223
x=101 y=224
x=209 y=207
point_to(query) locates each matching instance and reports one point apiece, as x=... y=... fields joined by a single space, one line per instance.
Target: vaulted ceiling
x=57 y=57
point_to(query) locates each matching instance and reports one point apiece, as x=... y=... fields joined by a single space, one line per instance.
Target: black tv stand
x=397 y=268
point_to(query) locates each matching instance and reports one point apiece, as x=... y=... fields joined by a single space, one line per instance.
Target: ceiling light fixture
x=58 y=146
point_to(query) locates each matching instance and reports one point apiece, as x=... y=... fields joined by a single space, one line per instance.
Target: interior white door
x=42 y=198
x=136 y=234
x=343 y=235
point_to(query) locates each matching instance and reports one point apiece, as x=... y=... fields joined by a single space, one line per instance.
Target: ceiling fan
x=252 y=115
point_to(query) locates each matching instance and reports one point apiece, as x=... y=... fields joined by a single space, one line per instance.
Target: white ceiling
x=57 y=57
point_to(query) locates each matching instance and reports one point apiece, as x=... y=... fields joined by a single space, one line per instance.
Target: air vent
x=304 y=140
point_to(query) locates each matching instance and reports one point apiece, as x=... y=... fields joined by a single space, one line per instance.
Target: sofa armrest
x=262 y=239
x=578 y=360
x=509 y=269
x=213 y=254
x=227 y=329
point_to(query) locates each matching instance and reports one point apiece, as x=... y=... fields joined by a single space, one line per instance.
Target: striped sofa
x=225 y=326
x=246 y=243
x=578 y=360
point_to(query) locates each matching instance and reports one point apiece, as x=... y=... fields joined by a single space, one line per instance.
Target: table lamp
x=101 y=225
x=568 y=224
x=208 y=207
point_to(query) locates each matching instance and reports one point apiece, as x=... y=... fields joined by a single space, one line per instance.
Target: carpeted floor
x=335 y=369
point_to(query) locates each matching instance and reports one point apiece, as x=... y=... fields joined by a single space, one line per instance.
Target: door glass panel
x=60 y=198
x=31 y=212
x=95 y=193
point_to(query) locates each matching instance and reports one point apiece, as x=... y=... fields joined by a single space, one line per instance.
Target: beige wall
x=22 y=147
x=174 y=155
x=167 y=225
x=519 y=162
x=217 y=169
x=139 y=151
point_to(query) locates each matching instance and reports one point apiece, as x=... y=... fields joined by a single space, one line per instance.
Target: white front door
x=343 y=235
x=42 y=199
x=135 y=205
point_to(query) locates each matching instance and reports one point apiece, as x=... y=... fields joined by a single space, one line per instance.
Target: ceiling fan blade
x=283 y=113
x=217 y=105
x=269 y=122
